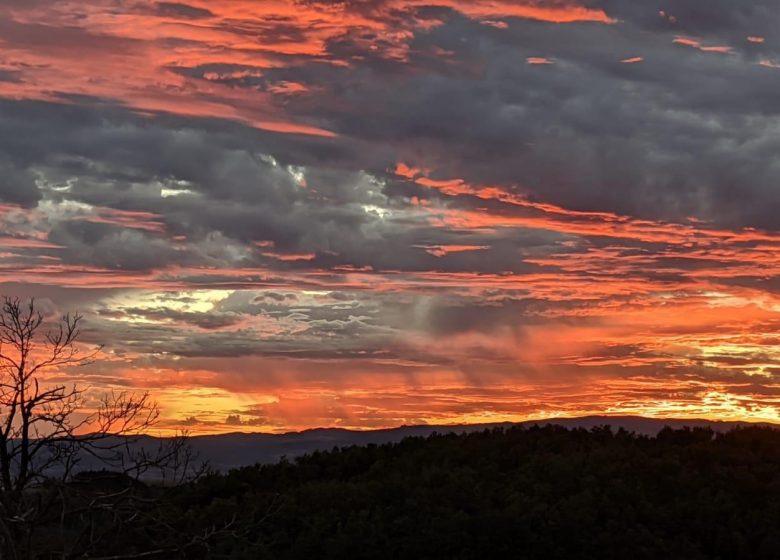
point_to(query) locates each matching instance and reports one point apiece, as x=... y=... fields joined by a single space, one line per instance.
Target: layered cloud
x=287 y=214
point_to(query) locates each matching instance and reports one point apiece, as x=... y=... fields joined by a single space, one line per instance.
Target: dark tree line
x=526 y=493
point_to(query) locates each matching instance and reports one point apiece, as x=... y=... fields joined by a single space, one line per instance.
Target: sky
x=283 y=214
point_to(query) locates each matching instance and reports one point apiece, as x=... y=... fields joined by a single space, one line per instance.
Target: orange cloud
x=696 y=44
x=538 y=60
x=565 y=12
x=442 y=250
x=146 y=221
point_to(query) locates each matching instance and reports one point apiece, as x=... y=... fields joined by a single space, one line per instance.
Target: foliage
x=540 y=492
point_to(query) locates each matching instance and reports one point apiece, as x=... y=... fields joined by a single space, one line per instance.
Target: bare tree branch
x=46 y=431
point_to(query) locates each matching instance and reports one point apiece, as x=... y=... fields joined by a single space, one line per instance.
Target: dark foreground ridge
x=543 y=492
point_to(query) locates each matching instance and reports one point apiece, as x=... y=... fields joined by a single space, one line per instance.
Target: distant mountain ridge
x=227 y=451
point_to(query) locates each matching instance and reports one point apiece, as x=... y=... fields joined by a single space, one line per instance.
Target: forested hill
x=227 y=451
x=538 y=492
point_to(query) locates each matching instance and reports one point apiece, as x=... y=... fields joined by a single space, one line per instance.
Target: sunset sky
x=283 y=214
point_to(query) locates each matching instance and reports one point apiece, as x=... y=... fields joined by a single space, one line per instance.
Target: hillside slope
x=227 y=451
x=538 y=492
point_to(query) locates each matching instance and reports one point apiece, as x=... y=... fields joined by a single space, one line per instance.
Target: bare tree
x=47 y=429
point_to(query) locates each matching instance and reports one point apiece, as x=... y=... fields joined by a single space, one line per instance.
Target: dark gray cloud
x=729 y=23
x=178 y=10
x=683 y=133
x=17 y=185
